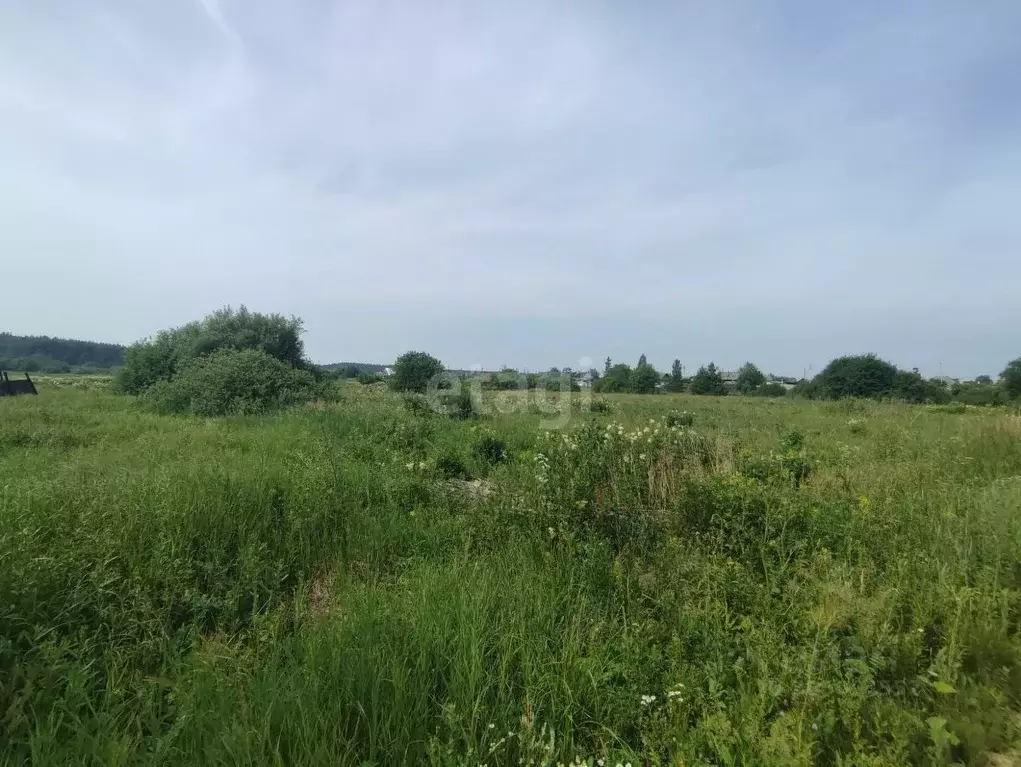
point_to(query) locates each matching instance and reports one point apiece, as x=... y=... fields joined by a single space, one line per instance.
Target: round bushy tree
x=162 y=357
x=862 y=375
x=749 y=378
x=644 y=378
x=413 y=371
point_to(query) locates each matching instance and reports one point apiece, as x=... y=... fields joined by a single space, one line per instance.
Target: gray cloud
x=521 y=183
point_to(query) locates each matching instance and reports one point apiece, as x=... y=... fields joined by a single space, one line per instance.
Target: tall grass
x=775 y=583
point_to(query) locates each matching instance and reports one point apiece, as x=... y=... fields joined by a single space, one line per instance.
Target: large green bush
x=413 y=371
x=232 y=381
x=862 y=375
x=233 y=361
x=164 y=356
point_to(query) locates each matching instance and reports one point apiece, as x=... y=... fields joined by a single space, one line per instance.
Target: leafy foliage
x=616 y=380
x=413 y=371
x=749 y=378
x=1011 y=378
x=232 y=382
x=644 y=378
x=56 y=355
x=863 y=375
x=770 y=389
x=708 y=380
x=675 y=381
x=165 y=355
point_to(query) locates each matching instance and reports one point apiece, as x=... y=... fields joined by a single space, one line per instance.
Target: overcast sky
x=522 y=183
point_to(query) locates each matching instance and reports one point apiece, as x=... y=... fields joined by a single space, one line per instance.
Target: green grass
x=795 y=583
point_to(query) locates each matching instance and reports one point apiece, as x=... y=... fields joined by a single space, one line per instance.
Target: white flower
x=648 y=700
x=410 y=465
x=641 y=456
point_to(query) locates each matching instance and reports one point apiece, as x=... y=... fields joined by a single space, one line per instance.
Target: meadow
x=667 y=580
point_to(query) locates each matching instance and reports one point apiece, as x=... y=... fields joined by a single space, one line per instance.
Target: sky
x=522 y=183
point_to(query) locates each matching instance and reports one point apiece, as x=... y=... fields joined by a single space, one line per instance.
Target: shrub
x=368 y=378
x=600 y=406
x=459 y=405
x=679 y=418
x=232 y=381
x=417 y=404
x=413 y=371
x=164 y=356
x=863 y=375
x=489 y=449
x=452 y=467
x=771 y=389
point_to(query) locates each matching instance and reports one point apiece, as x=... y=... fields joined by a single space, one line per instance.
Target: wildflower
x=492 y=726
x=641 y=456
x=421 y=465
x=648 y=700
x=410 y=465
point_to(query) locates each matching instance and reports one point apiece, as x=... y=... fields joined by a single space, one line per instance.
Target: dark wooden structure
x=9 y=388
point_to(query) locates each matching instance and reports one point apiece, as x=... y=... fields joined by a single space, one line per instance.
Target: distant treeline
x=352 y=369
x=56 y=355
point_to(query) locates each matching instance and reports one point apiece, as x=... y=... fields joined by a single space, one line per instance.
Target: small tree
x=983 y=380
x=413 y=371
x=749 y=378
x=708 y=380
x=607 y=365
x=644 y=378
x=642 y=360
x=1011 y=377
x=617 y=379
x=675 y=381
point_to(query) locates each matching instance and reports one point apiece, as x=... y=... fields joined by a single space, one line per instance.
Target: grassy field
x=678 y=580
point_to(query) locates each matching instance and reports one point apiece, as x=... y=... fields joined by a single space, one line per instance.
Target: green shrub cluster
x=232 y=362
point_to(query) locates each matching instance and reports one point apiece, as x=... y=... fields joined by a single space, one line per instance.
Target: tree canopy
x=56 y=355
x=749 y=378
x=183 y=362
x=862 y=375
x=708 y=380
x=413 y=371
